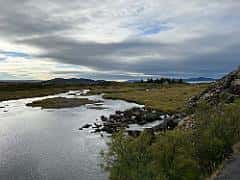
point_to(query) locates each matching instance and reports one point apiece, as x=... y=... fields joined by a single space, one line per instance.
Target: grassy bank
x=176 y=155
x=167 y=98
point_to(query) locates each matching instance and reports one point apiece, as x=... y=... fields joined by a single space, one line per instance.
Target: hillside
x=225 y=90
x=72 y=81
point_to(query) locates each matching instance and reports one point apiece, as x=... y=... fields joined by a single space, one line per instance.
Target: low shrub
x=176 y=155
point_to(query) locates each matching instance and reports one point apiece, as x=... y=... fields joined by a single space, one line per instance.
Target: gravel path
x=231 y=170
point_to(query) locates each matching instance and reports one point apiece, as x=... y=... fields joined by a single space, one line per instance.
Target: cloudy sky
x=121 y=39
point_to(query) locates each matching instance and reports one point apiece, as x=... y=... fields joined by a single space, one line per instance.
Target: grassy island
x=60 y=102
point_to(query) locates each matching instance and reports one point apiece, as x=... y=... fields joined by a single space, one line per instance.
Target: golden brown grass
x=168 y=98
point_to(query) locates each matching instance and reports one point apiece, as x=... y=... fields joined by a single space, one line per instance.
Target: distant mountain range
x=199 y=79
x=76 y=81
x=72 y=81
x=195 y=79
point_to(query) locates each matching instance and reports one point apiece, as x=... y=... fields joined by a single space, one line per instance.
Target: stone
x=103 y=118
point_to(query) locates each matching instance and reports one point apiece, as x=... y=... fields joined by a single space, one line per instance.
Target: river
x=45 y=144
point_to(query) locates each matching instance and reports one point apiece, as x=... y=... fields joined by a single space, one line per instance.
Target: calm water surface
x=46 y=144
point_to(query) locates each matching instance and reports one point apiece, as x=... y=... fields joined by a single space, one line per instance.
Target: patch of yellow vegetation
x=170 y=98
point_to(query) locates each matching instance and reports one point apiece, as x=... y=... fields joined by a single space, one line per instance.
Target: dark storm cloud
x=97 y=55
x=190 y=56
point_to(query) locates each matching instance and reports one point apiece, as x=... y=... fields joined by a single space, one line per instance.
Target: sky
x=118 y=40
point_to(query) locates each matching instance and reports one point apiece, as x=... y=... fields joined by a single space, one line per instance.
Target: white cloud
x=22 y=68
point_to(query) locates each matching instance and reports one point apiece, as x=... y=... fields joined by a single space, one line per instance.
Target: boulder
x=103 y=118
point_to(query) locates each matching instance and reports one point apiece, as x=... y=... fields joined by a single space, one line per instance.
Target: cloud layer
x=118 y=39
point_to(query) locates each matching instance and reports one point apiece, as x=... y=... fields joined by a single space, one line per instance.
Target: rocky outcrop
x=139 y=116
x=225 y=90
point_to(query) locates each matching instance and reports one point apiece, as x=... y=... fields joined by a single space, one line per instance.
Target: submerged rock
x=85 y=126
